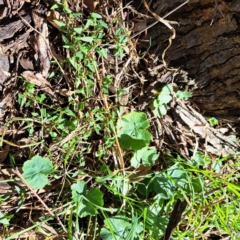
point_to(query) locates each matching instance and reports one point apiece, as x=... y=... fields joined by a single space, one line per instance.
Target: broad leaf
x=95 y=196
x=132 y=131
x=146 y=156
x=119 y=225
x=78 y=189
x=35 y=171
x=161 y=110
x=178 y=175
x=87 y=202
x=167 y=90
x=164 y=186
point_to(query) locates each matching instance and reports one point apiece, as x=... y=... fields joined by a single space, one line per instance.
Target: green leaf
x=95 y=196
x=60 y=24
x=183 y=95
x=87 y=202
x=103 y=52
x=213 y=121
x=164 y=186
x=78 y=30
x=132 y=131
x=69 y=112
x=161 y=110
x=86 y=39
x=78 y=189
x=3 y=219
x=217 y=166
x=96 y=15
x=146 y=156
x=177 y=174
x=167 y=90
x=199 y=159
x=119 y=225
x=35 y=171
x=164 y=99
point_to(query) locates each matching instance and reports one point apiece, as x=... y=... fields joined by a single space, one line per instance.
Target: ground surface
x=66 y=82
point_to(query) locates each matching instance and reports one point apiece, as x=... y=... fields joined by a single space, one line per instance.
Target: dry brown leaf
x=4 y=68
x=38 y=80
x=91 y=4
x=65 y=92
x=140 y=174
x=54 y=15
x=139 y=25
x=4 y=153
x=41 y=43
x=26 y=63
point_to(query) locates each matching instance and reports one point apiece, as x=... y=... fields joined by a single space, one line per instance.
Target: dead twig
x=217 y=8
x=154 y=23
x=167 y=24
x=16 y=171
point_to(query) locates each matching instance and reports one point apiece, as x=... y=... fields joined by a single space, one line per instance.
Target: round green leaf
x=35 y=171
x=132 y=131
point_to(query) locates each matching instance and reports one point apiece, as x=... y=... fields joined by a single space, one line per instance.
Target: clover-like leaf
x=161 y=110
x=146 y=156
x=167 y=90
x=164 y=96
x=35 y=171
x=132 y=131
x=183 y=95
x=164 y=99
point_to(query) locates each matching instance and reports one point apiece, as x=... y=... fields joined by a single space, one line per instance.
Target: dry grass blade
x=16 y=171
x=167 y=24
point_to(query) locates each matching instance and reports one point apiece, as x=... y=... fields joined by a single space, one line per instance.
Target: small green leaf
x=119 y=225
x=69 y=112
x=86 y=39
x=103 y=52
x=164 y=99
x=213 y=121
x=78 y=189
x=3 y=219
x=200 y=159
x=146 y=156
x=183 y=95
x=87 y=202
x=78 y=30
x=96 y=15
x=161 y=110
x=217 y=166
x=164 y=186
x=35 y=171
x=167 y=90
x=132 y=131
x=60 y=24
x=178 y=175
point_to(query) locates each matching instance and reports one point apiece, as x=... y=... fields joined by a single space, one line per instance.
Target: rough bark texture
x=211 y=54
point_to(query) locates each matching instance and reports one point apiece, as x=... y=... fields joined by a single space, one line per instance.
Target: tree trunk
x=209 y=53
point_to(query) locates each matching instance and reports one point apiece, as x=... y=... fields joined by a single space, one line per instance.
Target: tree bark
x=210 y=53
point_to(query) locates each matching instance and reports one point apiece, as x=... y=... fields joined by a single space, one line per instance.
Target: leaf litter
x=29 y=41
